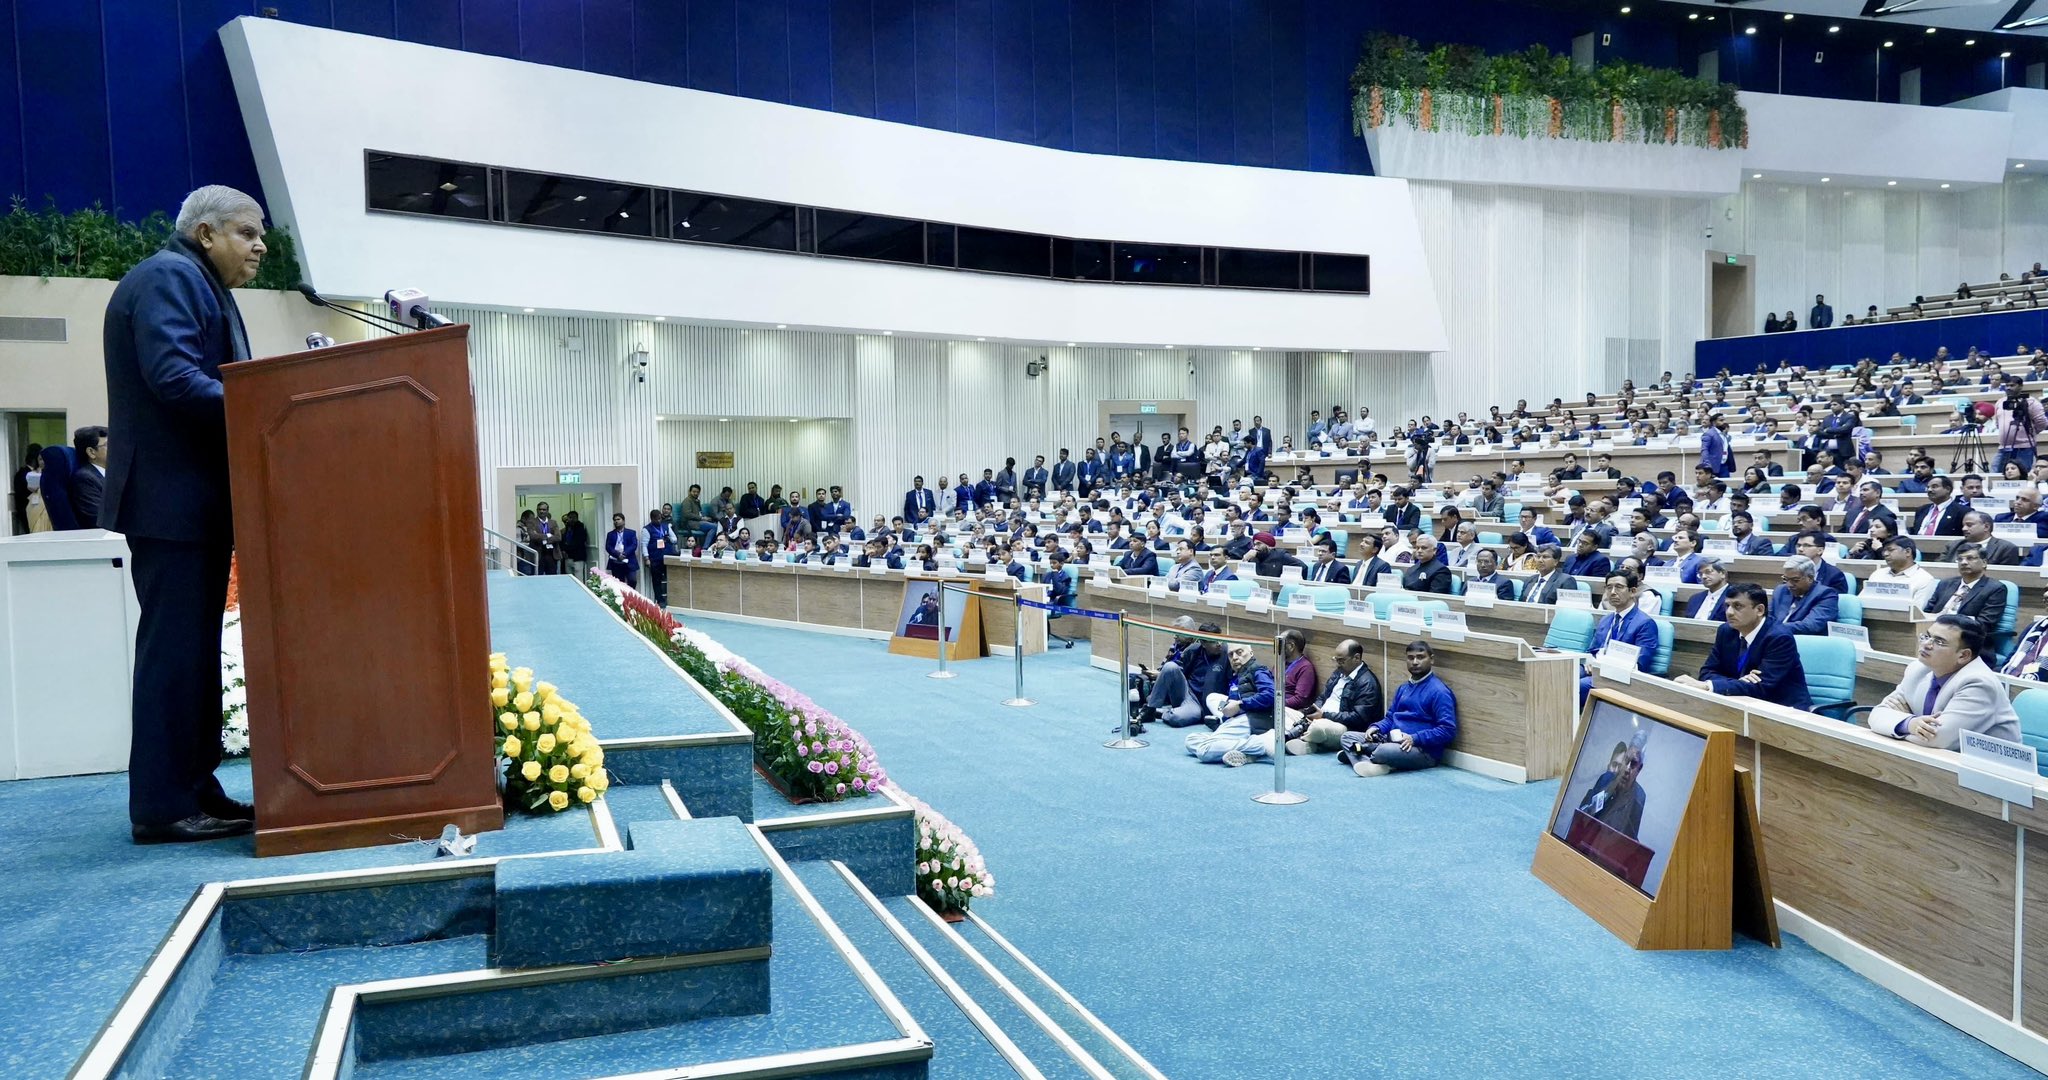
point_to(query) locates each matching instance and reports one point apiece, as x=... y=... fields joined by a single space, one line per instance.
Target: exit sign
x=568 y=476
x=1148 y=407
x=1731 y=260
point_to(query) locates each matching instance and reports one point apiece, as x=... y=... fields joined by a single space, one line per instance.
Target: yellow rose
x=579 y=770
x=592 y=756
x=500 y=695
x=586 y=794
x=532 y=721
x=497 y=659
x=573 y=748
x=523 y=702
x=545 y=688
x=530 y=770
x=545 y=744
x=499 y=680
x=558 y=775
x=508 y=721
x=523 y=673
x=513 y=746
x=558 y=800
x=599 y=781
x=550 y=713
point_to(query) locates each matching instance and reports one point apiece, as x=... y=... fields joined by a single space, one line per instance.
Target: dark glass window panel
x=939 y=245
x=1241 y=269
x=1159 y=264
x=561 y=202
x=870 y=236
x=721 y=219
x=412 y=185
x=1342 y=273
x=806 y=229
x=1081 y=260
x=1003 y=252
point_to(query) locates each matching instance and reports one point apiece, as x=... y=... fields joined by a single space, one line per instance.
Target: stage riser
x=882 y=853
x=714 y=781
x=156 y=1043
x=396 y=914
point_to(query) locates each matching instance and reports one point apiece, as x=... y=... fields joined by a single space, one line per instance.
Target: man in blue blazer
x=1624 y=622
x=1035 y=478
x=1139 y=561
x=1753 y=656
x=918 y=503
x=622 y=552
x=171 y=324
x=1063 y=472
x=1710 y=605
x=1802 y=605
x=1586 y=559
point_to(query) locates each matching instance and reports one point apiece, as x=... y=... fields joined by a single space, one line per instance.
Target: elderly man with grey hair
x=1801 y=604
x=171 y=324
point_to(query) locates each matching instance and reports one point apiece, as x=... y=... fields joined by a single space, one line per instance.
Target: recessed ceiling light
x=725 y=419
x=1834 y=29
x=1169 y=346
x=449 y=186
x=1887 y=44
x=981 y=339
x=1891 y=183
x=1070 y=345
x=1944 y=186
x=580 y=198
x=782 y=326
x=529 y=311
x=1749 y=29
x=1756 y=176
x=792 y=419
x=1255 y=348
x=1930 y=29
x=1969 y=41
x=1694 y=15
x=1825 y=179
x=888 y=333
x=1624 y=9
x=622 y=213
x=1788 y=16
x=2005 y=56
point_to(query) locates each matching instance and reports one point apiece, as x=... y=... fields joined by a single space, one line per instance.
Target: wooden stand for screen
x=1693 y=908
x=355 y=482
x=966 y=643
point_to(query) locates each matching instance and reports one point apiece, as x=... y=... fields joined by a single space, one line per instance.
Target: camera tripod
x=1969 y=453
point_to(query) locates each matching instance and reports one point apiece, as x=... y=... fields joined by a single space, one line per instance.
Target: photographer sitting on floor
x=1418 y=727
x=1244 y=715
x=1191 y=672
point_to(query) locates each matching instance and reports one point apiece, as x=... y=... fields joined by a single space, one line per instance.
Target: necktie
x=1955 y=603
x=1933 y=521
x=1933 y=691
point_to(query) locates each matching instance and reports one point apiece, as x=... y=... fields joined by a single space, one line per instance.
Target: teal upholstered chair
x=2032 y=705
x=1855 y=586
x=1570 y=629
x=1239 y=588
x=1492 y=539
x=1665 y=636
x=1330 y=598
x=1849 y=609
x=2004 y=638
x=1383 y=602
x=1343 y=541
x=1287 y=592
x=1430 y=609
x=1457 y=584
x=1830 y=665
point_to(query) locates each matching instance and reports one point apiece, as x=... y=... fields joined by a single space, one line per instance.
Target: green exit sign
x=1148 y=407
x=1731 y=260
x=568 y=476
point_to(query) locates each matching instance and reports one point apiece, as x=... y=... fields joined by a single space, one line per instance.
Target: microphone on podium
x=313 y=297
x=318 y=340
x=411 y=304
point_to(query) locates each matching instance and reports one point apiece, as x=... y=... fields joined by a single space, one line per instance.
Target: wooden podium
x=363 y=615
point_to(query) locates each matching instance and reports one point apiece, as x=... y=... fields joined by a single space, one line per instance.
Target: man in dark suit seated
x=1486 y=574
x=1403 y=514
x=1710 y=604
x=1753 y=656
x=1943 y=514
x=1977 y=531
x=1869 y=507
x=170 y=325
x=1429 y=574
x=1970 y=593
x=1326 y=567
x=1267 y=558
x=1550 y=576
x=1139 y=561
x=1370 y=565
x=89 y=479
x=1802 y=605
x=1350 y=701
x=1814 y=546
x=1586 y=559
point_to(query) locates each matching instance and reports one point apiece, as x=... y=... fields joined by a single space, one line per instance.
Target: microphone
x=318 y=341
x=412 y=304
x=313 y=297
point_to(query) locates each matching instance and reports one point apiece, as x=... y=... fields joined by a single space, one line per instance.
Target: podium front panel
x=364 y=621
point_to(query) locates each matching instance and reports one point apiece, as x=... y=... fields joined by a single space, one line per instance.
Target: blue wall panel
x=129 y=101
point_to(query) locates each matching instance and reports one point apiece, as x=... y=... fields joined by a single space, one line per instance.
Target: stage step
x=1118 y=1056
x=1048 y=1044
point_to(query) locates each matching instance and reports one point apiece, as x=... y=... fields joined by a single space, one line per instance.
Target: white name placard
x=1480 y=594
x=1887 y=595
x=1259 y=600
x=1857 y=634
x=1301 y=605
x=1994 y=766
x=1721 y=549
x=1618 y=661
x=1155 y=588
x=1406 y=618
x=1574 y=598
x=1358 y=613
x=1448 y=626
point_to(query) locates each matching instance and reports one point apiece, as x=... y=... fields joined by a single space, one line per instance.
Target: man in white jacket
x=1946 y=691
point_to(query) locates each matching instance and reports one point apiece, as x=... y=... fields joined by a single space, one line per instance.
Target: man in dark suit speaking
x=170 y=326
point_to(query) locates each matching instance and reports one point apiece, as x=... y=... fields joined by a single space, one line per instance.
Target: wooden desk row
x=855 y=600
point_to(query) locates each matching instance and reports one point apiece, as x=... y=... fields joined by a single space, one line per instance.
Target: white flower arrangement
x=234 y=689
x=950 y=872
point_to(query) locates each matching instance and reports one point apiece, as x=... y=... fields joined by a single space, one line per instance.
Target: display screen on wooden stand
x=919 y=622
x=1642 y=835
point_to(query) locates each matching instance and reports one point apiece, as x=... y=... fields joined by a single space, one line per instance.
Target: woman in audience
x=1771 y=323
x=1521 y=558
x=1789 y=322
x=1872 y=545
x=2012 y=471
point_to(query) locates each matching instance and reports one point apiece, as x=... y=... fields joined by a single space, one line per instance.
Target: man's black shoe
x=229 y=809
x=194 y=828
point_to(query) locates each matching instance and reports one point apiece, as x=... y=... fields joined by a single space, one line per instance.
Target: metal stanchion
x=1123 y=691
x=1279 y=796
x=1017 y=623
x=942 y=673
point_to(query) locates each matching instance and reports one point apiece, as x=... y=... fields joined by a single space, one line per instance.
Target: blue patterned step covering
x=681 y=887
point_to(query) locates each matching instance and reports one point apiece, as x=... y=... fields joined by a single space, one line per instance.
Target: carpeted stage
x=1386 y=927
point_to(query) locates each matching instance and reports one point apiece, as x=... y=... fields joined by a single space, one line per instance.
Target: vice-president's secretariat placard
x=714 y=459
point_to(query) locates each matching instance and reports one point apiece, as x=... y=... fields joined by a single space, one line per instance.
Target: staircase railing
x=502 y=552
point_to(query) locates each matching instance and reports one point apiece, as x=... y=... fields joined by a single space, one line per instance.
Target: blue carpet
x=87 y=907
x=1200 y=925
x=262 y=1015
x=556 y=627
x=816 y=1002
x=637 y=802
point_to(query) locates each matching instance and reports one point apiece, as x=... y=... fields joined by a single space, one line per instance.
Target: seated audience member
x=1139 y=561
x=1326 y=567
x=1943 y=514
x=1186 y=571
x=1753 y=655
x=1748 y=541
x=1219 y=570
x=1418 y=727
x=1458 y=550
x=1624 y=622
x=1243 y=715
x=1947 y=689
x=1685 y=554
x=1970 y=594
x=1486 y=573
x=1802 y=605
x=2026 y=660
x=1977 y=530
x=1615 y=800
x=1648 y=600
x=1350 y=702
x=1191 y=672
x=1297 y=676
x=1900 y=565
x=1428 y=574
x=1708 y=605
x=1872 y=545
x=1370 y=565
x=1550 y=577
x=1814 y=546
x=1268 y=560
x=1586 y=559
x=1868 y=509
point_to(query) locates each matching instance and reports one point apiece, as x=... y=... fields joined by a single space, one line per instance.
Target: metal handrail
x=495 y=545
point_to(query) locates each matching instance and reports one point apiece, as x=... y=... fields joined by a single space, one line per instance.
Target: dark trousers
x=175 y=716
x=657 y=579
x=624 y=571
